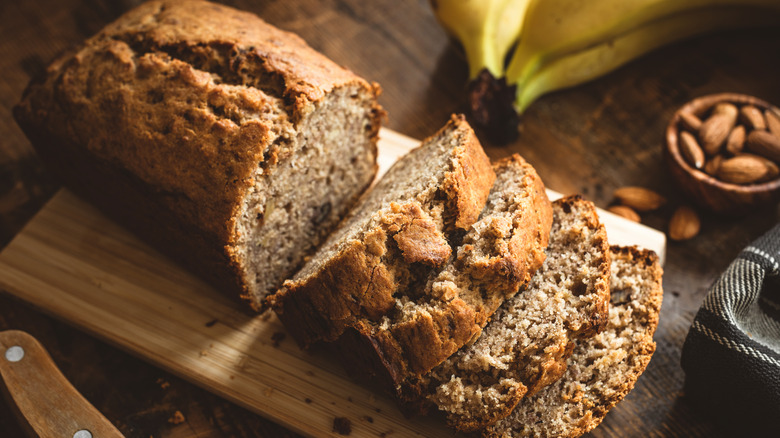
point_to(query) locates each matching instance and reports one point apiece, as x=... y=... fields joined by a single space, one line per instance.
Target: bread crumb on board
x=342 y=426
x=177 y=418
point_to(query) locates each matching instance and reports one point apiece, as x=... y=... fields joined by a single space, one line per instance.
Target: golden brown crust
x=468 y=184
x=433 y=314
x=417 y=235
x=293 y=70
x=134 y=50
x=361 y=279
x=178 y=102
x=429 y=338
x=487 y=270
x=356 y=283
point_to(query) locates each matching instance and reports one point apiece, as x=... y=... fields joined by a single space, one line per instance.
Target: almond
x=764 y=143
x=690 y=122
x=625 y=212
x=716 y=128
x=712 y=165
x=772 y=122
x=736 y=140
x=726 y=108
x=691 y=150
x=752 y=117
x=772 y=169
x=684 y=224
x=639 y=198
x=743 y=169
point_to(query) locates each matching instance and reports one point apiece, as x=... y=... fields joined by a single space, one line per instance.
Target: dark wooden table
x=591 y=139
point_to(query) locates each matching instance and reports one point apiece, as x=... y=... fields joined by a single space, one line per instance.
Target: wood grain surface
x=47 y=405
x=73 y=263
x=590 y=139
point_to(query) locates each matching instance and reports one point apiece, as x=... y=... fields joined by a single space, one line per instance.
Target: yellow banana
x=487 y=29
x=561 y=43
x=567 y=42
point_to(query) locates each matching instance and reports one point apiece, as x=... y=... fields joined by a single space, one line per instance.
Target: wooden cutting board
x=73 y=263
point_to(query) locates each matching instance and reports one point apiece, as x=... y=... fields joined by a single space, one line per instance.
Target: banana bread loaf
x=602 y=369
x=227 y=143
x=526 y=344
x=391 y=288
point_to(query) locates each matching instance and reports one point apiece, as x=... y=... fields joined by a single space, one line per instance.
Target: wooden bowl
x=705 y=190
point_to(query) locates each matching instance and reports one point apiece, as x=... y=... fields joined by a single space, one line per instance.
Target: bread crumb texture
x=602 y=369
x=418 y=268
x=525 y=345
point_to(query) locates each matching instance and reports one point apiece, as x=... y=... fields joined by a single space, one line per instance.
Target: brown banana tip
x=491 y=103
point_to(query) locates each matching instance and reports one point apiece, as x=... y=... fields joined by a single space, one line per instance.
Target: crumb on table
x=342 y=425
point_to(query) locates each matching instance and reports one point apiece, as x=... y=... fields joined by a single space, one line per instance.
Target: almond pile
x=683 y=225
x=734 y=143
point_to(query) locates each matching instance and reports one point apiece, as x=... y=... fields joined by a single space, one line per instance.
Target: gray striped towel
x=731 y=356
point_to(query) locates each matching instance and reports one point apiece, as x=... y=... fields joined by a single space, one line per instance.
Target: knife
x=44 y=400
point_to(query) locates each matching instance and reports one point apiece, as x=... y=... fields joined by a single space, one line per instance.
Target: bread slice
x=603 y=369
x=525 y=345
x=227 y=143
x=497 y=257
x=391 y=294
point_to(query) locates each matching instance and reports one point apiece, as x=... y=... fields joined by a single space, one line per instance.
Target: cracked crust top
x=185 y=105
x=232 y=85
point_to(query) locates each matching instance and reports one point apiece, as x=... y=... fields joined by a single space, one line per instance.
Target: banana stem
x=491 y=102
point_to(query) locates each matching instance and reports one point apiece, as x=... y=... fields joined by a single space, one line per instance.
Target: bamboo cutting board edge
x=76 y=265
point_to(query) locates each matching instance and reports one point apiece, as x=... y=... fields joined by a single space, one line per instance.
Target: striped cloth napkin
x=731 y=356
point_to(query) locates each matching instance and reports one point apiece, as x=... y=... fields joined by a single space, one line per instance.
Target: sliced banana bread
x=525 y=345
x=390 y=291
x=602 y=369
x=495 y=259
x=227 y=143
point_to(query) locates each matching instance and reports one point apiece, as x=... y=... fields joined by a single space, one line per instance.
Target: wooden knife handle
x=46 y=403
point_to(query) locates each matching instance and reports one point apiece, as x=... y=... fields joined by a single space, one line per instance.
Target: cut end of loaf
x=506 y=246
x=526 y=344
x=602 y=369
x=324 y=165
x=393 y=237
x=496 y=257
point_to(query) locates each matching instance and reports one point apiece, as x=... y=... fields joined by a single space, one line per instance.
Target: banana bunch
x=487 y=30
x=562 y=43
